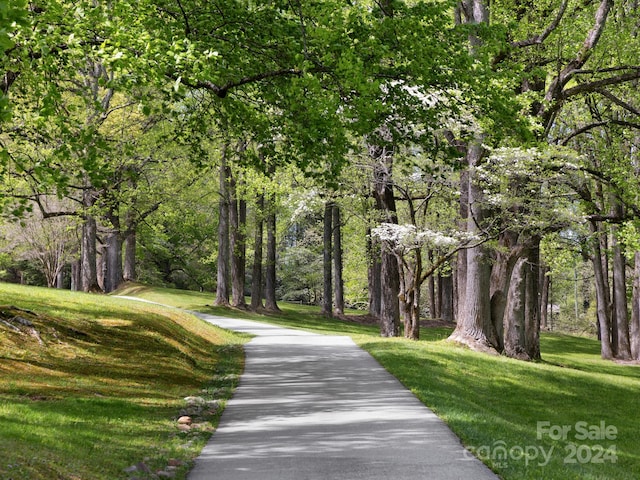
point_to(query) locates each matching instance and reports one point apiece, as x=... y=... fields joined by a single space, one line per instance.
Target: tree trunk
x=130 y=240
x=409 y=293
x=514 y=314
x=113 y=262
x=238 y=246
x=88 y=255
x=129 y=270
x=327 y=303
x=545 y=281
x=338 y=283
x=112 y=254
x=461 y=257
x=76 y=276
x=447 y=298
x=433 y=301
x=270 y=302
x=256 y=278
x=622 y=348
x=635 y=311
x=474 y=327
x=222 y=287
x=374 y=272
x=389 y=273
x=532 y=301
x=602 y=294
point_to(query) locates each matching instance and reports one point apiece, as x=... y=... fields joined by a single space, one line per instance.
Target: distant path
x=313 y=406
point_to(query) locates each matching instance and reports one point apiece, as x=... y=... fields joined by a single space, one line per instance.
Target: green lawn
x=102 y=387
x=571 y=416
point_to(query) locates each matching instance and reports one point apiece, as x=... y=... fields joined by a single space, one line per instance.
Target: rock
x=183 y=427
x=21 y=321
x=174 y=462
x=143 y=467
x=165 y=474
x=197 y=401
x=184 y=420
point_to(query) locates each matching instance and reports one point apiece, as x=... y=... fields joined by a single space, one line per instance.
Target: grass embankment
x=91 y=386
x=494 y=403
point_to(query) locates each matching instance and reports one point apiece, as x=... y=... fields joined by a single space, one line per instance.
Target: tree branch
x=555 y=93
x=538 y=39
x=221 y=91
x=596 y=85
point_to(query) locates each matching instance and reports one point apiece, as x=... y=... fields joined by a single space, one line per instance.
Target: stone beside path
x=313 y=406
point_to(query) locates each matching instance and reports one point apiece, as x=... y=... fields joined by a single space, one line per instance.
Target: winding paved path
x=313 y=406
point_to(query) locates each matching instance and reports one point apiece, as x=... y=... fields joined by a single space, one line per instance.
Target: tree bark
x=222 y=287
x=514 y=315
x=635 y=310
x=622 y=348
x=238 y=246
x=475 y=328
x=88 y=254
x=130 y=240
x=545 y=283
x=256 y=277
x=112 y=254
x=389 y=272
x=327 y=295
x=270 y=302
x=338 y=282
x=532 y=301
x=447 y=298
x=374 y=272
x=602 y=302
x=76 y=276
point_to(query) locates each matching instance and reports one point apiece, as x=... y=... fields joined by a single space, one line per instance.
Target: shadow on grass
x=495 y=401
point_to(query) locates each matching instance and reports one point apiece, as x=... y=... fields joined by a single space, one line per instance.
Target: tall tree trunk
x=622 y=348
x=461 y=257
x=338 y=283
x=256 y=277
x=327 y=295
x=88 y=254
x=389 y=273
x=602 y=294
x=514 y=314
x=222 y=287
x=113 y=254
x=447 y=298
x=374 y=272
x=635 y=311
x=76 y=276
x=475 y=328
x=238 y=246
x=409 y=295
x=433 y=301
x=532 y=301
x=545 y=282
x=129 y=262
x=130 y=240
x=270 y=302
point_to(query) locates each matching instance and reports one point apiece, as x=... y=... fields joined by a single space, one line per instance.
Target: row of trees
x=453 y=141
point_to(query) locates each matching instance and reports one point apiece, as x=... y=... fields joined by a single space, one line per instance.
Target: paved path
x=318 y=407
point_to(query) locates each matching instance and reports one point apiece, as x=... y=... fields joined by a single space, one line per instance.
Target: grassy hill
x=111 y=375
x=91 y=386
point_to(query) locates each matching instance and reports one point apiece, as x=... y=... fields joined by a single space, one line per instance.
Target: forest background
x=464 y=161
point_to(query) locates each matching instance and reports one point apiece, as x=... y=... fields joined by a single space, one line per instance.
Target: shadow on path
x=313 y=406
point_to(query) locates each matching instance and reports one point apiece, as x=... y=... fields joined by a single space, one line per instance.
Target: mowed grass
x=93 y=385
x=587 y=407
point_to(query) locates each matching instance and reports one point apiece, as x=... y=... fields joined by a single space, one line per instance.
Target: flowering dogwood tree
x=407 y=243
